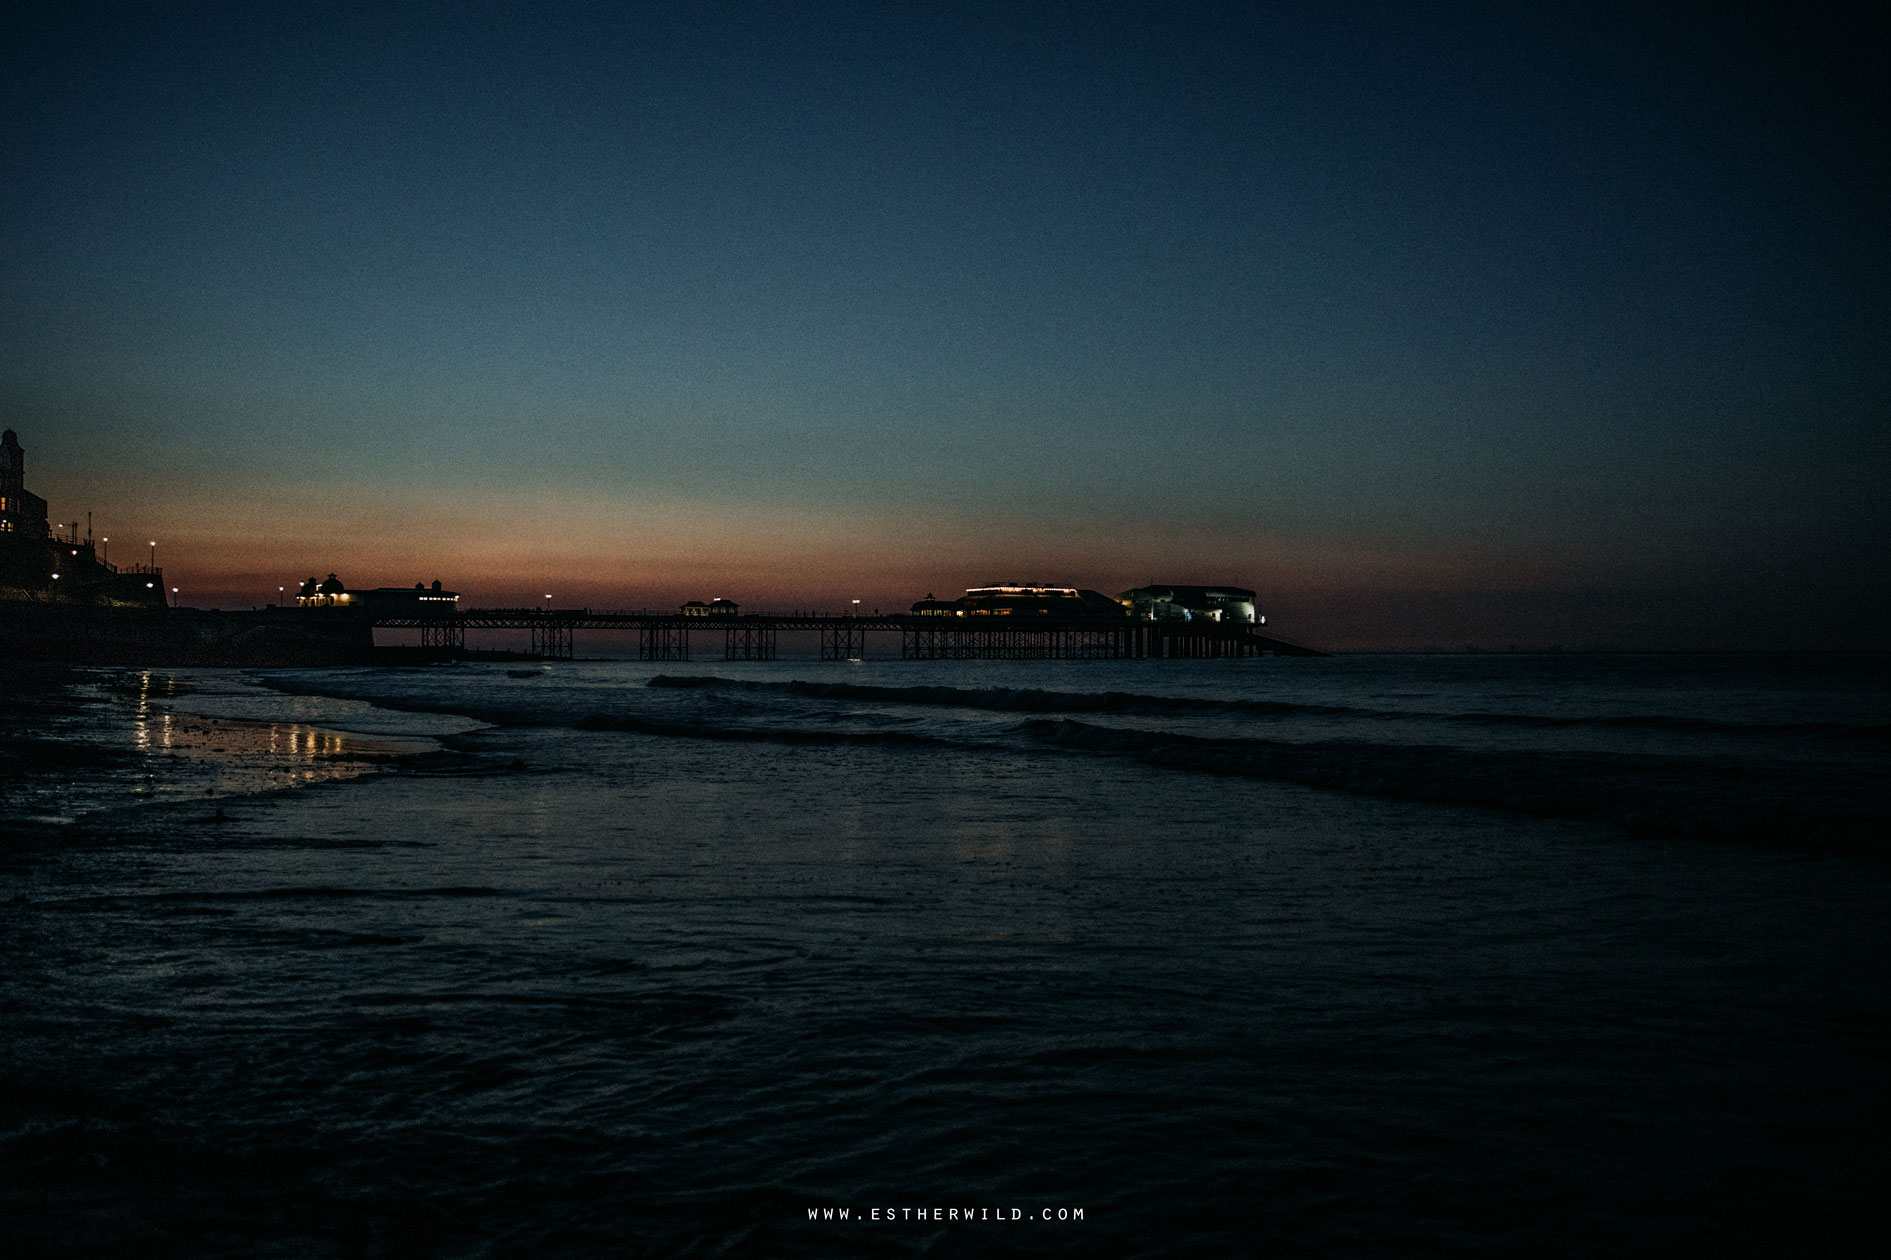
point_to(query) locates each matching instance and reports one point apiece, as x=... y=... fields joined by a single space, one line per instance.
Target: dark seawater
x=1428 y=956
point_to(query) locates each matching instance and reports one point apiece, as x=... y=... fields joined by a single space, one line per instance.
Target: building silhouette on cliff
x=22 y=513
x=36 y=565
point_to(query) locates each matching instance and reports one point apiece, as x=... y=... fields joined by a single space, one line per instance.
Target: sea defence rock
x=79 y=634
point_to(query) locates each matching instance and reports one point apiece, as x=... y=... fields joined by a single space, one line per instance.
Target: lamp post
x=154 y=555
x=548 y=603
x=856 y=608
x=106 y=558
x=173 y=597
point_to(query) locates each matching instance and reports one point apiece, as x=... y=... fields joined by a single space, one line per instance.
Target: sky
x=1437 y=325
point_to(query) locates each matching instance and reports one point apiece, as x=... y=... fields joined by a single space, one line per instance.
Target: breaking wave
x=1034 y=700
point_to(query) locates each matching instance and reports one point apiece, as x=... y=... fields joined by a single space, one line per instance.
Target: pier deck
x=754 y=637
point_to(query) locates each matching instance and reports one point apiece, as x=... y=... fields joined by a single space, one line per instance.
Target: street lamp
x=856 y=608
x=548 y=603
x=106 y=558
x=173 y=597
x=154 y=555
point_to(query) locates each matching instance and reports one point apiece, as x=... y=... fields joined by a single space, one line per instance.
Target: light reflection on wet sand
x=194 y=756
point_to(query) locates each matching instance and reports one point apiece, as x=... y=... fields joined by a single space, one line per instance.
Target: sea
x=1370 y=955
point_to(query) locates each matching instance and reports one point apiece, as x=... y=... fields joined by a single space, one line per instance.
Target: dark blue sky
x=1487 y=323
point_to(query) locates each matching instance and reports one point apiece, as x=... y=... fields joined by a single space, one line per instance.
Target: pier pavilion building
x=380 y=601
x=1020 y=599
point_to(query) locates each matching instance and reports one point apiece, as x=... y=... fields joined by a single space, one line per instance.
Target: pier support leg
x=749 y=643
x=551 y=640
x=662 y=642
x=842 y=640
x=448 y=637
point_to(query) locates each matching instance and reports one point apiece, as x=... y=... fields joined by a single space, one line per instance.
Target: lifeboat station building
x=1192 y=603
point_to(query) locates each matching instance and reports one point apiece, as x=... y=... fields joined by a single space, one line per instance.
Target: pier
x=754 y=636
